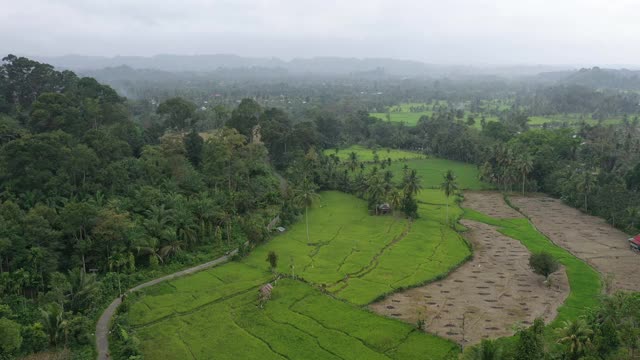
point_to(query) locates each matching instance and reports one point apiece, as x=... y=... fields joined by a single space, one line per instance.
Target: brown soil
x=487 y=296
x=587 y=237
x=490 y=203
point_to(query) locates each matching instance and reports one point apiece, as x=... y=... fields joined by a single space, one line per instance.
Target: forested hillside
x=98 y=192
x=91 y=202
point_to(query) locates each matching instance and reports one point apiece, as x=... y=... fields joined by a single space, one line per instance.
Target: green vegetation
x=573 y=120
x=352 y=255
x=432 y=170
x=369 y=155
x=299 y=322
x=359 y=257
x=99 y=192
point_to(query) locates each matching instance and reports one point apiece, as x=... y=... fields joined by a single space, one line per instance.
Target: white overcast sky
x=586 y=32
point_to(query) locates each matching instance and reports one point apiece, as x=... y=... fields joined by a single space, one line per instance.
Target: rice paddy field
x=411 y=118
x=367 y=155
x=571 y=120
x=432 y=170
x=318 y=310
x=319 y=305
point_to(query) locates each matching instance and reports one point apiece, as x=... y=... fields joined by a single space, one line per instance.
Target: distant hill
x=596 y=78
x=316 y=65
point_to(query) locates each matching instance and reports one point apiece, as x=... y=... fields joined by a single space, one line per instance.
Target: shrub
x=272 y=258
x=543 y=264
x=10 y=338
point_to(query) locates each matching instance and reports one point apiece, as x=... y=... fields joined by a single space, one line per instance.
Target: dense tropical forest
x=99 y=192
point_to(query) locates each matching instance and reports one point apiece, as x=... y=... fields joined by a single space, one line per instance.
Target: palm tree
x=395 y=198
x=411 y=184
x=586 y=182
x=158 y=217
x=375 y=191
x=54 y=323
x=305 y=196
x=524 y=164
x=84 y=289
x=352 y=163
x=150 y=247
x=450 y=187
x=487 y=350
x=576 y=334
x=172 y=246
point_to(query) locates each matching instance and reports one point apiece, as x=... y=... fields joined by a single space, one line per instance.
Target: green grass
x=366 y=155
x=354 y=256
x=298 y=323
x=432 y=170
x=584 y=281
x=359 y=257
x=411 y=118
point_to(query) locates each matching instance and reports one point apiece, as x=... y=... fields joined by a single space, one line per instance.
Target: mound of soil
x=587 y=237
x=487 y=296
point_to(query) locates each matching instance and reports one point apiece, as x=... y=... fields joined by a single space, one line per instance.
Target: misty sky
x=586 y=32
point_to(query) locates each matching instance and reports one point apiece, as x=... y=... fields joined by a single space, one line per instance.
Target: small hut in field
x=265 y=293
x=384 y=208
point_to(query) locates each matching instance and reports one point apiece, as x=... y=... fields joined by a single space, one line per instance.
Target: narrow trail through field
x=343 y=283
x=486 y=296
x=588 y=237
x=104 y=323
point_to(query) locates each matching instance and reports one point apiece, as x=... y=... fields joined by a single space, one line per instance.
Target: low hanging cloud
x=585 y=32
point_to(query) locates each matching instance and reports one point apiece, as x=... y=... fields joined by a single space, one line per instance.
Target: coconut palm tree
x=395 y=198
x=576 y=335
x=411 y=184
x=450 y=187
x=305 y=195
x=352 y=162
x=524 y=164
x=375 y=191
x=586 y=182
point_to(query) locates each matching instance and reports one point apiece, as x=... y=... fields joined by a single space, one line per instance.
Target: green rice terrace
x=354 y=257
x=318 y=308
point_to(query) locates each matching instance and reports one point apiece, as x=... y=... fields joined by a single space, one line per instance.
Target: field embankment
x=486 y=296
x=588 y=237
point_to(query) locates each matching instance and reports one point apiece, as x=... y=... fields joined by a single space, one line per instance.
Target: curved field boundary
x=584 y=281
x=104 y=323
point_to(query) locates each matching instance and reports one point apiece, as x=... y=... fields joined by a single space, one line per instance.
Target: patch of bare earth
x=488 y=295
x=490 y=203
x=588 y=237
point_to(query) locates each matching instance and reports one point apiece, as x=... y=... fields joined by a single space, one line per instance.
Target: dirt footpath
x=587 y=237
x=487 y=296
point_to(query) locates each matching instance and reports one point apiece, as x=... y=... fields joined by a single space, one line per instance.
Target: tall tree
x=524 y=164
x=180 y=113
x=245 y=116
x=450 y=187
x=576 y=335
x=305 y=195
x=585 y=183
x=193 y=144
